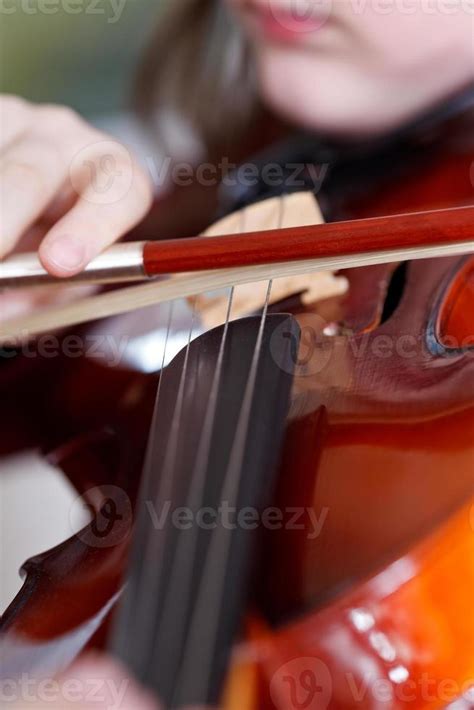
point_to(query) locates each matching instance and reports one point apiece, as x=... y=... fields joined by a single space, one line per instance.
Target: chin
x=334 y=97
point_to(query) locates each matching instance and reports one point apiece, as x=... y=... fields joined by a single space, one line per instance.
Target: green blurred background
x=82 y=53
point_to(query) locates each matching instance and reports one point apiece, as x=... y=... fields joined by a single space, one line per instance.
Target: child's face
x=358 y=66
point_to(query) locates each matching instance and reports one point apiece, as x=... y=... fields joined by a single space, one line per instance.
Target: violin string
x=153 y=558
x=179 y=588
x=204 y=621
x=185 y=553
x=181 y=572
x=148 y=478
x=129 y=606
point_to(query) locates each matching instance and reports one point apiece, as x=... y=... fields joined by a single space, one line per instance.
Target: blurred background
x=82 y=53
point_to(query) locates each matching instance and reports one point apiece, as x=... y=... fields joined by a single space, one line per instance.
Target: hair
x=197 y=71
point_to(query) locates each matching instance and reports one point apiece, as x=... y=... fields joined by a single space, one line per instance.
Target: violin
x=345 y=424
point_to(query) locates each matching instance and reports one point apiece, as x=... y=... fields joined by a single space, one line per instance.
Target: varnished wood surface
x=434 y=228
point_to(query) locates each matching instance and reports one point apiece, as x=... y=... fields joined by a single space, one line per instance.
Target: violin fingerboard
x=216 y=435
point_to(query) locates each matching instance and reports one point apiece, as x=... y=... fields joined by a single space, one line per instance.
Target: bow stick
x=239 y=259
x=418 y=232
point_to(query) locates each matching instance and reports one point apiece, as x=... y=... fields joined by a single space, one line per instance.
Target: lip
x=281 y=24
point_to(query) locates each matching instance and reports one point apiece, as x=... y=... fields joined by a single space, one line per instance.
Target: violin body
x=387 y=550
x=357 y=603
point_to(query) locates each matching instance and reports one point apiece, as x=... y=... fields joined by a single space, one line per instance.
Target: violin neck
x=218 y=426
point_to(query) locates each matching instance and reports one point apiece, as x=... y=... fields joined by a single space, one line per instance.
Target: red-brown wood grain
x=433 y=228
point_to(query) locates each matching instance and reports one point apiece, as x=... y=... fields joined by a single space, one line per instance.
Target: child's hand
x=56 y=168
x=66 y=189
